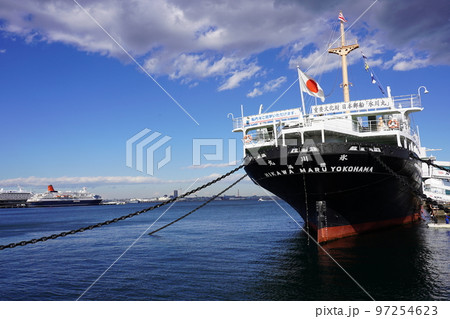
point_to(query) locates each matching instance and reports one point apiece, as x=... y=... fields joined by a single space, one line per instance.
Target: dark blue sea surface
x=228 y=250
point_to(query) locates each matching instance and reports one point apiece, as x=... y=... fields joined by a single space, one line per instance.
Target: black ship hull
x=13 y=203
x=341 y=189
x=48 y=203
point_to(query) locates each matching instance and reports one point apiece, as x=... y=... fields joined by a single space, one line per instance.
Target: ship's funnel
x=50 y=188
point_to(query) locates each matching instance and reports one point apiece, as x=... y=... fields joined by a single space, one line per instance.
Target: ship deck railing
x=338 y=126
x=259 y=139
x=399 y=104
x=353 y=124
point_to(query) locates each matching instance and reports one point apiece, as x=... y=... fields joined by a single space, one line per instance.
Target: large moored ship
x=14 y=198
x=347 y=167
x=59 y=198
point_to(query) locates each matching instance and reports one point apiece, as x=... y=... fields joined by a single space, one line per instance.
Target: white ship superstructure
x=437 y=181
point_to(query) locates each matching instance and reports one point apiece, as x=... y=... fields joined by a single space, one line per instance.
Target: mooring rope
x=197 y=208
x=416 y=192
x=427 y=199
x=429 y=162
x=79 y=230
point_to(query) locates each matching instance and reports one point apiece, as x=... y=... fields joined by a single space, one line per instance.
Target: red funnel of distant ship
x=50 y=188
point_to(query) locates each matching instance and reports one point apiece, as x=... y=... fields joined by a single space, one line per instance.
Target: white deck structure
x=384 y=120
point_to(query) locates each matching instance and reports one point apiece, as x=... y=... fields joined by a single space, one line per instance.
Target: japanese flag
x=308 y=85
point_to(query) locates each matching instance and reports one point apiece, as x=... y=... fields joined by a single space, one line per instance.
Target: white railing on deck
x=366 y=126
x=237 y=123
x=398 y=102
x=407 y=101
x=380 y=126
x=259 y=138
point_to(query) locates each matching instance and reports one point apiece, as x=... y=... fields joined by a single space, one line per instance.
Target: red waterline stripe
x=330 y=233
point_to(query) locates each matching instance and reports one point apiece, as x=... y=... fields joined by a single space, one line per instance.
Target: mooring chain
x=430 y=162
x=406 y=184
x=80 y=230
x=428 y=199
x=198 y=207
x=397 y=176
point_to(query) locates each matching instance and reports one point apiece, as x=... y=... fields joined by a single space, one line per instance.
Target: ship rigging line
x=134 y=60
x=80 y=230
x=322 y=67
x=320 y=56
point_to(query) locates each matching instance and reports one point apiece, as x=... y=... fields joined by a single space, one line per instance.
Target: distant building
x=175 y=193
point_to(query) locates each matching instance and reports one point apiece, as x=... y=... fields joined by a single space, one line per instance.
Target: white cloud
x=239 y=76
x=405 y=61
x=185 y=40
x=212 y=165
x=270 y=86
x=200 y=66
x=88 y=180
x=2 y=50
x=189 y=40
x=103 y=180
x=274 y=84
x=256 y=92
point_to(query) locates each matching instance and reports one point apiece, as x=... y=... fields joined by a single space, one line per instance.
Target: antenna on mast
x=343 y=50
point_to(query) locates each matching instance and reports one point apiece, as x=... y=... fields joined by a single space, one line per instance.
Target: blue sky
x=70 y=98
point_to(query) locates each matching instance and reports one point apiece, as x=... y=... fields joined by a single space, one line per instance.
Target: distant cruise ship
x=57 y=198
x=11 y=198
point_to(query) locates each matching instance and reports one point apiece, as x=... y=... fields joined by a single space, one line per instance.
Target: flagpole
x=301 y=91
x=303 y=102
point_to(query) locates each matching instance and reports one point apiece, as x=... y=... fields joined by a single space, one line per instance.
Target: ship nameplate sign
x=273 y=116
x=360 y=105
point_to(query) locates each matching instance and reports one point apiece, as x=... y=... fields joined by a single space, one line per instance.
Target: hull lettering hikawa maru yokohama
x=348 y=193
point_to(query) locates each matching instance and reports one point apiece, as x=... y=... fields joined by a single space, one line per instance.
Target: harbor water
x=228 y=250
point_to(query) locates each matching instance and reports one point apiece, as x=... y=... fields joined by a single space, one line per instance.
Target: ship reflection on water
x=401 y=263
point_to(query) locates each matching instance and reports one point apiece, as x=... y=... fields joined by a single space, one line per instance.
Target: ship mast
x=343 y=50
